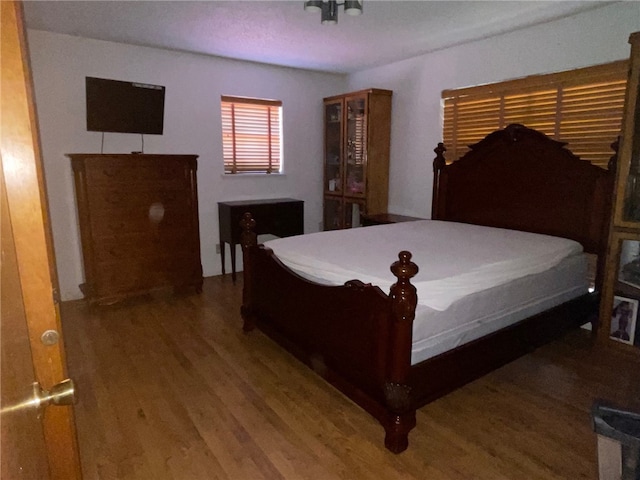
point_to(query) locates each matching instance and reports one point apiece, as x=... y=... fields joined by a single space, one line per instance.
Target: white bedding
x=481 y=313
x=496 y=277
x=455 y=259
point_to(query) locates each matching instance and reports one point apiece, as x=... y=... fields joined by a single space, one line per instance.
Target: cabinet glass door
x=333 y=213
x=333 y=172
x=353 y=211
x=631 y=211
x=356 y=146
x=339 y=213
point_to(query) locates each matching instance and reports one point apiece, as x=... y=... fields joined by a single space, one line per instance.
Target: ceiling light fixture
x=329 y=9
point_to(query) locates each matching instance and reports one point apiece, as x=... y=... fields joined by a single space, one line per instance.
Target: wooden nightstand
x=385 y=218
x=282 y=217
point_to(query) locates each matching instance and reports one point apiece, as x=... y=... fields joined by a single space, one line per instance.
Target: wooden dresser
x=138 y=217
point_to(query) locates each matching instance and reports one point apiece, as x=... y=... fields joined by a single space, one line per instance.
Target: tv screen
x=124 y=107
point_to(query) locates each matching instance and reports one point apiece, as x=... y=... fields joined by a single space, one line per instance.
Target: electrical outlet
x=218 y=248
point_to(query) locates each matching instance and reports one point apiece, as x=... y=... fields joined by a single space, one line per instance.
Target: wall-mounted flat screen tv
x=124 y=107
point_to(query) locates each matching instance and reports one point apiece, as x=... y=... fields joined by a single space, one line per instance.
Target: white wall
x=193 y=84
x=192 y=121
x=594 y=37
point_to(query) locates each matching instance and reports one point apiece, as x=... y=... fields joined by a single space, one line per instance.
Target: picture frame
x=629 y=271
x=623 y=319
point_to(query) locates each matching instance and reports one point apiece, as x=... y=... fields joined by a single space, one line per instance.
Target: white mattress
x=481 y=313
x=472 y=279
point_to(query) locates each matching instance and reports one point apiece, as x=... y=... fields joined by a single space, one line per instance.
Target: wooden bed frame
x=359 y=338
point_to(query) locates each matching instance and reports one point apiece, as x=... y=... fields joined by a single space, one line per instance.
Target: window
x=582 y=107
x=251 y=135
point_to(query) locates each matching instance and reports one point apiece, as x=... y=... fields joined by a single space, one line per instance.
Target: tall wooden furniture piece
x=357 y=131
x=282 y=217
x=139 y=227
x=619 y=312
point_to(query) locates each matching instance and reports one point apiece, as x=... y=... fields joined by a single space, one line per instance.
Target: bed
x=367 y=335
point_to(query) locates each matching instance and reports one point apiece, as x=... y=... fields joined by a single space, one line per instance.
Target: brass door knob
x=62 y=393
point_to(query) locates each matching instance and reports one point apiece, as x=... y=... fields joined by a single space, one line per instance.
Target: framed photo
x=629 y=271
x=623 y=319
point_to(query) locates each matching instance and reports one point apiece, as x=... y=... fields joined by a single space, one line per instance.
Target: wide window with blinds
x=251 y=135
x=582 y=107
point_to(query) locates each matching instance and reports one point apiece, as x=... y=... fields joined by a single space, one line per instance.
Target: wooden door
x=37 y=442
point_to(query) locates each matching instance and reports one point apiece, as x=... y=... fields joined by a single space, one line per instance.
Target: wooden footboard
x=355 y=336
x=359 y=339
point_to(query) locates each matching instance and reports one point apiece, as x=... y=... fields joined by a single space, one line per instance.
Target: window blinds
x=251 y=135
x=582 y=107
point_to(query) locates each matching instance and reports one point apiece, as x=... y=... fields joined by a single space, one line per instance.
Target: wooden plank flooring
x=170 y=388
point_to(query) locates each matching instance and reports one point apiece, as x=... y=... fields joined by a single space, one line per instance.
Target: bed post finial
x=248 y=239
x=439 y=162
x=402 y=417
x=404 y=269
x=438 y=172
x=612 y=166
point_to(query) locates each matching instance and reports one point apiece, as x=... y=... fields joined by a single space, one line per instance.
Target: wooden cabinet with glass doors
x=357 y=129
x=619 y=309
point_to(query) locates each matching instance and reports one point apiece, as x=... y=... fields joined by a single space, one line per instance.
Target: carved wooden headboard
x=519 y=178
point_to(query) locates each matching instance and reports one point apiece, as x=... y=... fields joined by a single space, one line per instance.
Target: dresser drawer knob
x=156 y=212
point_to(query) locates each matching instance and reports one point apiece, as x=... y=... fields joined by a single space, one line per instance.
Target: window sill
x=252 y=175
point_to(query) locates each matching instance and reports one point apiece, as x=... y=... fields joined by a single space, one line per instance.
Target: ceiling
x=282 y=33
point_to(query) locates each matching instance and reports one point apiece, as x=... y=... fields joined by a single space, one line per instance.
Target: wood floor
x=170 y=388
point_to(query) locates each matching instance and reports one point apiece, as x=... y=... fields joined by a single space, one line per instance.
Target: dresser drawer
x=114 y=196
x=120 y=277
x=154 y=219
x=138 y=203
x=143 y=246
x=107 y=172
